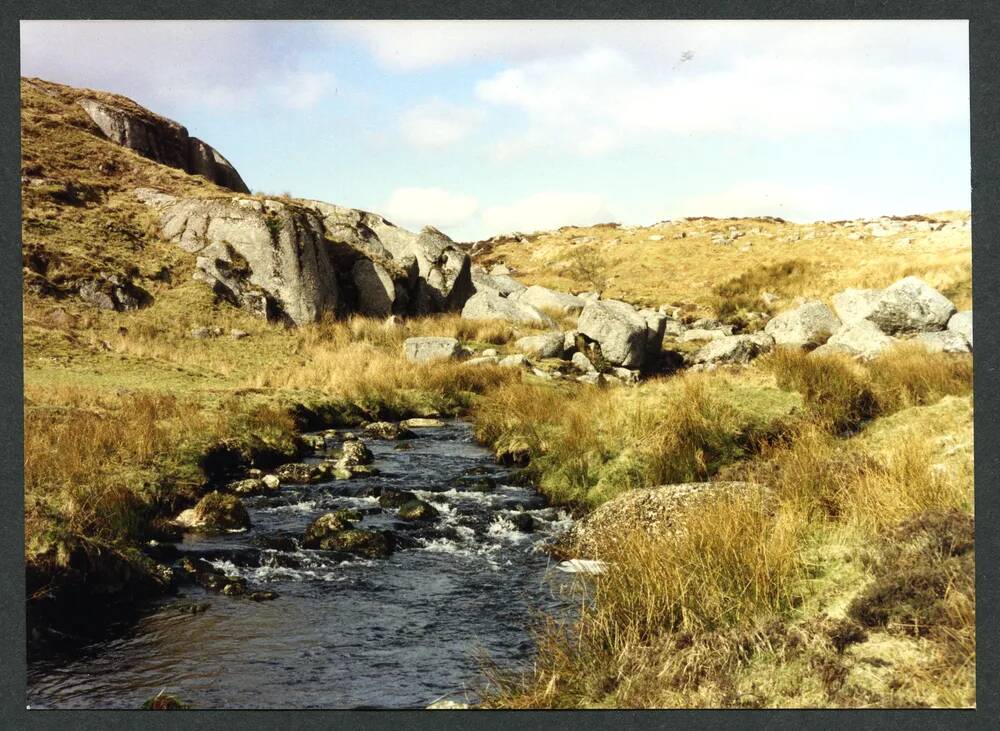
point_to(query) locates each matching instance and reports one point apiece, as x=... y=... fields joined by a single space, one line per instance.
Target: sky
x=487 y=127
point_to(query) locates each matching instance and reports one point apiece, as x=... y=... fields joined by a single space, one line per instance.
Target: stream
x=397 y=632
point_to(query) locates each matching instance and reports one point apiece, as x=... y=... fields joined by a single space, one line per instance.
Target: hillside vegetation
x=846 y=580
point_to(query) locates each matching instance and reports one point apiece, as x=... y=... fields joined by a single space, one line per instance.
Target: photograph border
x=984 y=52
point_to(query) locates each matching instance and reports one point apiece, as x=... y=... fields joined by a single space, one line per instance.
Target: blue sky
x=484 y=127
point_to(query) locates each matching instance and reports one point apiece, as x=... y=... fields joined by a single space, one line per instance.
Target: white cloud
x=437 y=124
x=418 y=207
x=604 y=98
x=546 y=210
x=164 y=64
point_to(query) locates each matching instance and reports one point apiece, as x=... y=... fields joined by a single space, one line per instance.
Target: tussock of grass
x=587 y=449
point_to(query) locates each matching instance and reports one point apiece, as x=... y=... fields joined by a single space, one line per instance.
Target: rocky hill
x=109 y=186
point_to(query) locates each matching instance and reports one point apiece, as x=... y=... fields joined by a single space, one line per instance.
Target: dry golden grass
x=689 y=269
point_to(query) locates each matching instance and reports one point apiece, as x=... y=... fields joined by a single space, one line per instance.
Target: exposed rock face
x=496 y=283
x=961 y=323
x=489 y=306
x=618 y=328
x=298 y=260
x=164 y=141
x=911 y=305
x=423 y=350
x=547 y=345
x=267 y=256
x=807 y=326
x=861 y=339
x=734 y=349
x=542 y=297
x=113 y=292
x=943 y=341
x=853 y=305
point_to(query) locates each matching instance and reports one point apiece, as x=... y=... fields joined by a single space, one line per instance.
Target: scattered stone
x=698 y=334
x=582 y=363
x=911 y=305
x=490 y=306
x=625 y=375
x=328 y=525
x=299 y=473
x=961 y=323
x=807 y=326
x=238 y=334
x=417 y=510
x=355 y=453
x=483 y=360
x=252 y=486
x=429 y=349
x=734 y=349
x=514 y=361
x=388 y=430
x=546 y=345
x=853 y=305
x=861 y=339
x=943 y=341
x=422 y=423
x=544 y=298
x=271 y=482
x=216 y=511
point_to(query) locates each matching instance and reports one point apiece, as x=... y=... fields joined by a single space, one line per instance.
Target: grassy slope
x=688 y=269
x=119 y=407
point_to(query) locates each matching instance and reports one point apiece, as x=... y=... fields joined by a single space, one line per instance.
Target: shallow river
x=390 y=633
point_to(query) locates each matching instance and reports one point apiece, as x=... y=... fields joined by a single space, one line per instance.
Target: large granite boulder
x=162 y=140
x=444 y=270
x=911 y=306
x=490 y=306
x=546 y=345
x=807 y=326
x=853 y=305
x=943 y=341
x=429 y=349
x=545 y=298
x=268 y=256
x=618 y=329
x=961 y=323
x=375 y=287
x=734 y=349
x=861 y=339
x=501 y=284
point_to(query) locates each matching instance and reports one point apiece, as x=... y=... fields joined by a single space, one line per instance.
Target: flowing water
x=398 y=632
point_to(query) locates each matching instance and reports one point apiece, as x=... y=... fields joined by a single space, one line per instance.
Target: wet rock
x=422 y=423
x=327 y=526
x=216 y=511
x=360 y=542
x=277 y=542
x=271 y=482
x=388 y=430
x=251 y=486
x=523 y=522
x=355 y=453
x=299 y=473
x=390 y=498
x=417 y=510
x=264 y=595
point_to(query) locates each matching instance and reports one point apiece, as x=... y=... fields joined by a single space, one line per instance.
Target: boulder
x=698 y=334
x=390 y=498
x=853 y=305
x=546 y=345
x=429 y=349
x=355 y=453
x=656 y=327
x=734 y=349
x=482 y=360
x=271 y=482
x=617 y=328
x=545 y=298
x=375 y=287
x=807 y=326
x=625 y=375
x=252 y=486
x=582 y=363
x=360 y=542
x=299 y=473
x=490 y=306
x=910 y=306
x=161 y=139
x=961 y=323
x=216 y=511
x=500 y=284
x=113 y=292
x=388 y=430
x=422 y=423
x=417 y=510
x=861 y=339
x=514 y=361
x=444 y=270
x=328 y=525
x=943 y=341
x=569 y=342
x=270 y=257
